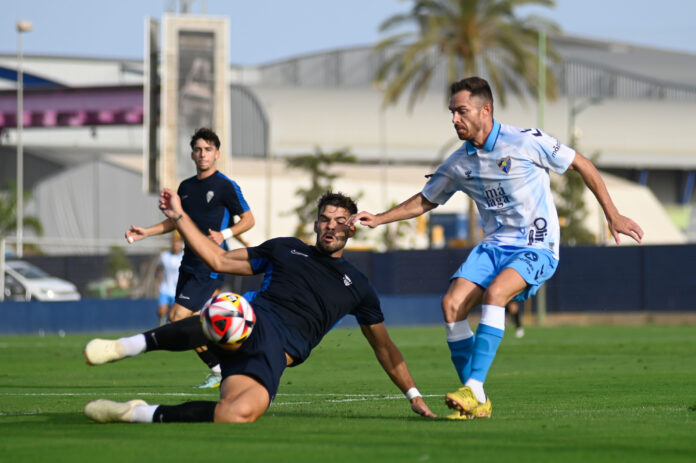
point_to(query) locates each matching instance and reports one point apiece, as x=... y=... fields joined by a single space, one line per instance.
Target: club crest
x=209 y=196
x=504 y=164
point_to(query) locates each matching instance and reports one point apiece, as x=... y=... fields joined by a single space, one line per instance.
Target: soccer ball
x=227 y=319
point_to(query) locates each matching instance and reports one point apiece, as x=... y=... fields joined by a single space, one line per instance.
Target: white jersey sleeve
x=546 y=151
x=445 y=181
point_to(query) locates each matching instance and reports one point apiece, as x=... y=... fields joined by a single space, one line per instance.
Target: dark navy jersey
x=307 y=292
x=211 y=203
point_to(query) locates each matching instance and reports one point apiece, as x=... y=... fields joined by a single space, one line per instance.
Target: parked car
x=25 y=281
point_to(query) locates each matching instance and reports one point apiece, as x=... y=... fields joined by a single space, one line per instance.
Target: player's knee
x=236 y=412
x=454 y=309
x=497 y=295
x=178 y=313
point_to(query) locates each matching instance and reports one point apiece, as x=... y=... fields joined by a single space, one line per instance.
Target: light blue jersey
x=509 y=181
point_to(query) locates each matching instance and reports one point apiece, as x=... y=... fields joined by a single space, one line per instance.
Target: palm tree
x=472 y=37
x=8 y=214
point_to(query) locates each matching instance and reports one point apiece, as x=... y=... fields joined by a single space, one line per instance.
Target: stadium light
x=22 y=27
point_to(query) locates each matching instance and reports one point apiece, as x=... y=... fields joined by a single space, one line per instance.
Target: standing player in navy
x=504 y=169
x=308 y=289
x=211 y=200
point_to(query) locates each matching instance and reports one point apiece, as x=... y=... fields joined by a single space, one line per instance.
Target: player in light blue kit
x=167 y=274
x=505 y=170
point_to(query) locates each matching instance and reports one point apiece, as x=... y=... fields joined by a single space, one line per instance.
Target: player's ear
x=350 y=231
x=316 y=226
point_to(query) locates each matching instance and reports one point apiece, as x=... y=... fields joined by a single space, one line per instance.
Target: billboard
x=194 y=93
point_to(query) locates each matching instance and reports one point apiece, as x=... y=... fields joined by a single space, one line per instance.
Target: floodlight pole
x=22 y=26
x=541 y=103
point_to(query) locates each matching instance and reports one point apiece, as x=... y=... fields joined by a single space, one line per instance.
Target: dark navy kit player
x=212 y=200
x=307 y=289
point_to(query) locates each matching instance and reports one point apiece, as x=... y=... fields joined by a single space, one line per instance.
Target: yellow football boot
x=465 y=402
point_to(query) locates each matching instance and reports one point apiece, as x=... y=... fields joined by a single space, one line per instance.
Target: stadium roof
x=589 y=68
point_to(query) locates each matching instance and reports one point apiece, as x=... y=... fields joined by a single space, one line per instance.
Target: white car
x=24 y=281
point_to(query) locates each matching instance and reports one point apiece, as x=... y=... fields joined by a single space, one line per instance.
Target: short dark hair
x=476 y=86
x=338 y=200
x=207 y=135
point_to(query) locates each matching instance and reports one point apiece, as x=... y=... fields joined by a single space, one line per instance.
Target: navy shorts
x=261 y=356
x=192 y=291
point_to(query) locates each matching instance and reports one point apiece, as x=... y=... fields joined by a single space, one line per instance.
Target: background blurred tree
x=472 y=37
x=392 y=233
x=318 y=166
x=8 y=216
x=117 y=261
x=570 y=204
x=572 y=210
x=121 y=271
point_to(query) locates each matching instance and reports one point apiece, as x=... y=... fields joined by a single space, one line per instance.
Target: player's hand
x=363 y=218
x=623 y=225
x=170 y=204
x=215 y=236
x=135 y=234
x=419 y=406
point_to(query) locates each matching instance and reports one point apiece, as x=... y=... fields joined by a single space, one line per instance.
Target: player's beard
x=329 y=248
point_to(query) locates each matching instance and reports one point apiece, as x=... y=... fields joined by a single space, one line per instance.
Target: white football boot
x=108 y=411
x=100 y=351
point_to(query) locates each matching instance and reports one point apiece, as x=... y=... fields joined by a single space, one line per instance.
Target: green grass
x=561 y=394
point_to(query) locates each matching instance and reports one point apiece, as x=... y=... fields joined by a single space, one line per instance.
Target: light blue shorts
x=486 y=261
x=165 y=299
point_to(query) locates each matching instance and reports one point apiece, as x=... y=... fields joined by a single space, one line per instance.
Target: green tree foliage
x=464 y=33
x=572 y=209
x=319 y=167
x=118 y=262
x=8 y=215
x=393 y=232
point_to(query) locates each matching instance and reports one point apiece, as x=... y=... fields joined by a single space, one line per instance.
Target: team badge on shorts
x=504 y=164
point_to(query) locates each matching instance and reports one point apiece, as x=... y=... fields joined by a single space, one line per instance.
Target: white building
x=631 y=106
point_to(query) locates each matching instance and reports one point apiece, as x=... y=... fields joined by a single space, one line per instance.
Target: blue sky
x=266 y=30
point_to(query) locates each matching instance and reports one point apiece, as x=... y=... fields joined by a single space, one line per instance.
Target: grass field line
x=329 y=397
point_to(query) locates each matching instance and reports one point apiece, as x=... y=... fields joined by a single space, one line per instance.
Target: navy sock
x=516 y=319
x=181 y=335
x=208 y=358
x=189 y=412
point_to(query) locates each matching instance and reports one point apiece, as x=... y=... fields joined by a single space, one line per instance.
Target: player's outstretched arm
x=618 y=224
x=413 y=207
x=139 y=233
x=236 y=261
x=394 y=365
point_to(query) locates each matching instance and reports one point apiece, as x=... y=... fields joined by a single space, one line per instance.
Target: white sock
x=456 y=331
x=493 y=316
x=477 y=388
x=216 y=369
x=143 y=414
x=134 y=345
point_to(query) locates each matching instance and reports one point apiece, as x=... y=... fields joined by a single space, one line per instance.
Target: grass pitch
x=559 y=394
